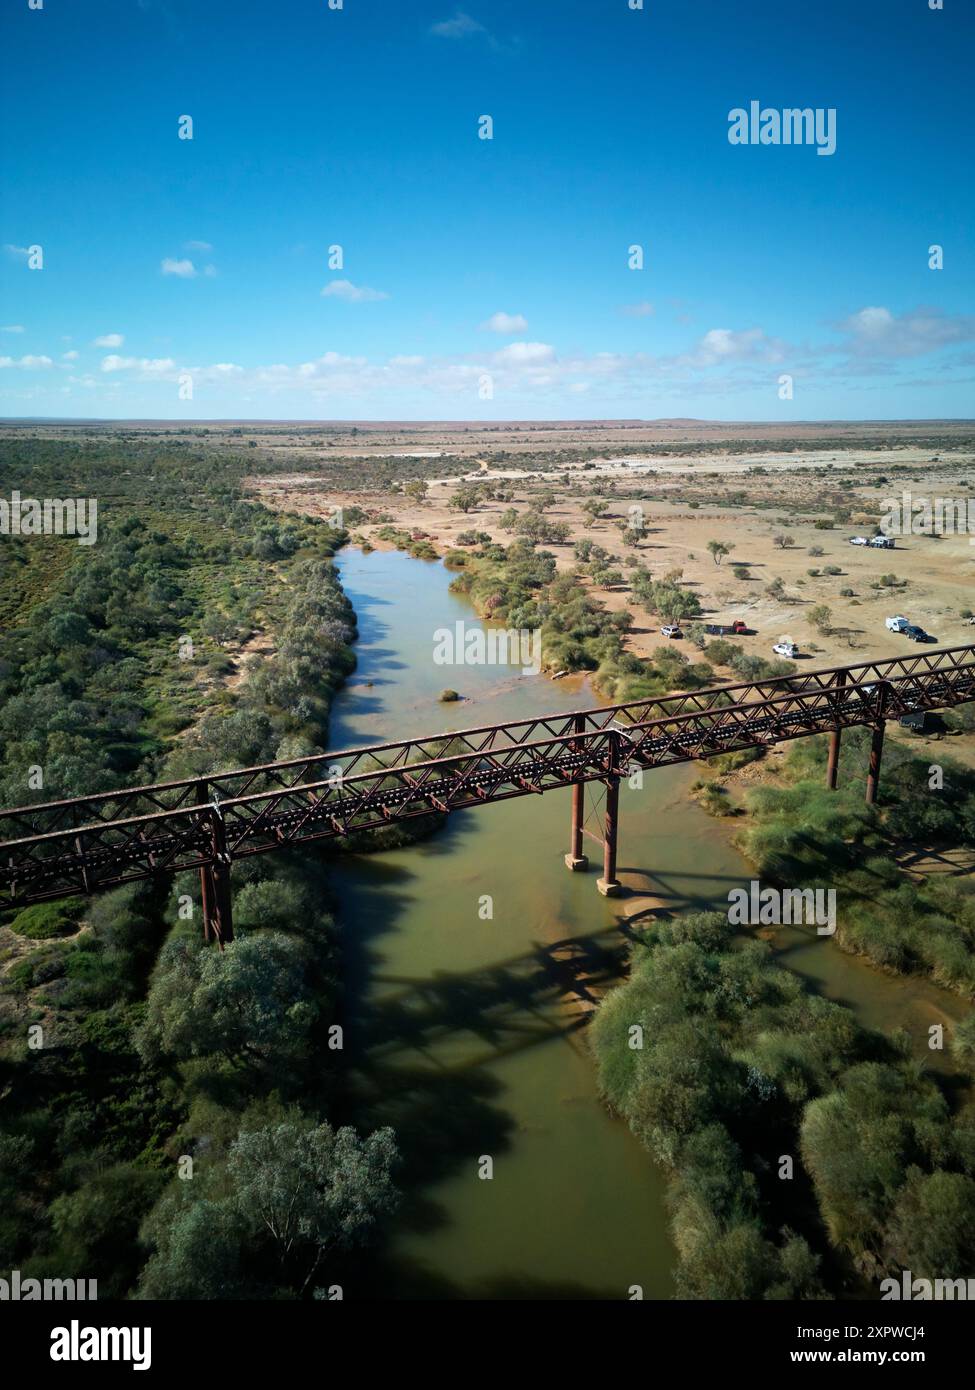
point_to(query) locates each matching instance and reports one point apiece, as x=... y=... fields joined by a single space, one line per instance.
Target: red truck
x=736 y=629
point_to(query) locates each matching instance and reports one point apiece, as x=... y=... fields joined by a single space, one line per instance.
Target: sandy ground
x=938 y=575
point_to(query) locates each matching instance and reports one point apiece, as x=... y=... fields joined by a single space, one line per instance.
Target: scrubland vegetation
x=180 y=1134
x=737 y=1069
x=521 y=587
x=179 y=1092
x=807 y=1155
x=802 y=833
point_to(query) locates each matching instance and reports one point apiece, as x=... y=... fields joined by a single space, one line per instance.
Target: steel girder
x=91 y=843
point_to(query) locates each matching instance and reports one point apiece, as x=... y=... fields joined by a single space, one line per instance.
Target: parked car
x=882 y=542
x=859 y=540
x=671 y=630
x=897 y=624
x=916 y=634
x=786 y=649
x=736 y=629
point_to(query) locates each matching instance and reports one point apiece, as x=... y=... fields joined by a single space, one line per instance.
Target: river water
x=467 y=1018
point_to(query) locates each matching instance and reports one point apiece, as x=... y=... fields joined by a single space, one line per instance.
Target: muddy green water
x=467 y=1033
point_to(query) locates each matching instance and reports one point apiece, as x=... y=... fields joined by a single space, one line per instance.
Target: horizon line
x=377 y=422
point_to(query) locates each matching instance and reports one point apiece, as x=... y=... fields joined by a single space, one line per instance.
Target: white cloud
x=109 y=340
x=16 y=250
x=351 y=294
x=153 y=366
x=505 y=323
x=13 y=328
x=727 y=345
x=457 y=28
x=521 y=353
x=184 y=268
x=71 y=356
x=641 y=310
x=723 y=361
x=876 y=332
x=197 y=246
x=29 y=362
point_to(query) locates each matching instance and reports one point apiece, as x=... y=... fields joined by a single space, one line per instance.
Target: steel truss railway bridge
x=91 y=843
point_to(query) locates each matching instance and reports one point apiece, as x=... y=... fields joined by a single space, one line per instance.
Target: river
x=466 y=1020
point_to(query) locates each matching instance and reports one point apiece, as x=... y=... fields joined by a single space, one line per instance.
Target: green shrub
x=44 y=920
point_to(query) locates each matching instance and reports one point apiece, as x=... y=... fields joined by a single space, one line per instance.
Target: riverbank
x=450 y=1011
x=156 y=1058
x=901 y=872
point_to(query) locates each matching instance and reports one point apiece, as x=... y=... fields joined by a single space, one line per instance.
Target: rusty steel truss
x=91 y=843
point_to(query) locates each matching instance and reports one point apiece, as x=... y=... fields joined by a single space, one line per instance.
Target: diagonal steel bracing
x=86 y=844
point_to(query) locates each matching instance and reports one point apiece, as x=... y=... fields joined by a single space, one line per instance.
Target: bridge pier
x=873 y=772
x=833 y=762
x=164 y=832
x=218 y=917
x=609 y=885
x=575 y=859
x=218 y=913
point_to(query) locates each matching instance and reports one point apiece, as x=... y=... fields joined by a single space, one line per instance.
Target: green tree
x=250 y=1003
x=312 y=1189
x=821 y=618
x=97 y=1224
x=198 y=1246
x=932 y=1230
x=466 y=498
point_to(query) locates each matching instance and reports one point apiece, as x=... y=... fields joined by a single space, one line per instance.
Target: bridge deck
x=85 y=844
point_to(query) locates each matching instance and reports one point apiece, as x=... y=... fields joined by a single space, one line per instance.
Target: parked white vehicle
x=882 y=542
x=859 y=540
x=897 y=624
x=786 y=649
x=671 y=630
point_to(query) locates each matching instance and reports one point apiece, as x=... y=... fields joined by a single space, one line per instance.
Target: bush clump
x=41 y=921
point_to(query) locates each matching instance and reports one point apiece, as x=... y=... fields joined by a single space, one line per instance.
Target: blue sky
x=484 y=278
